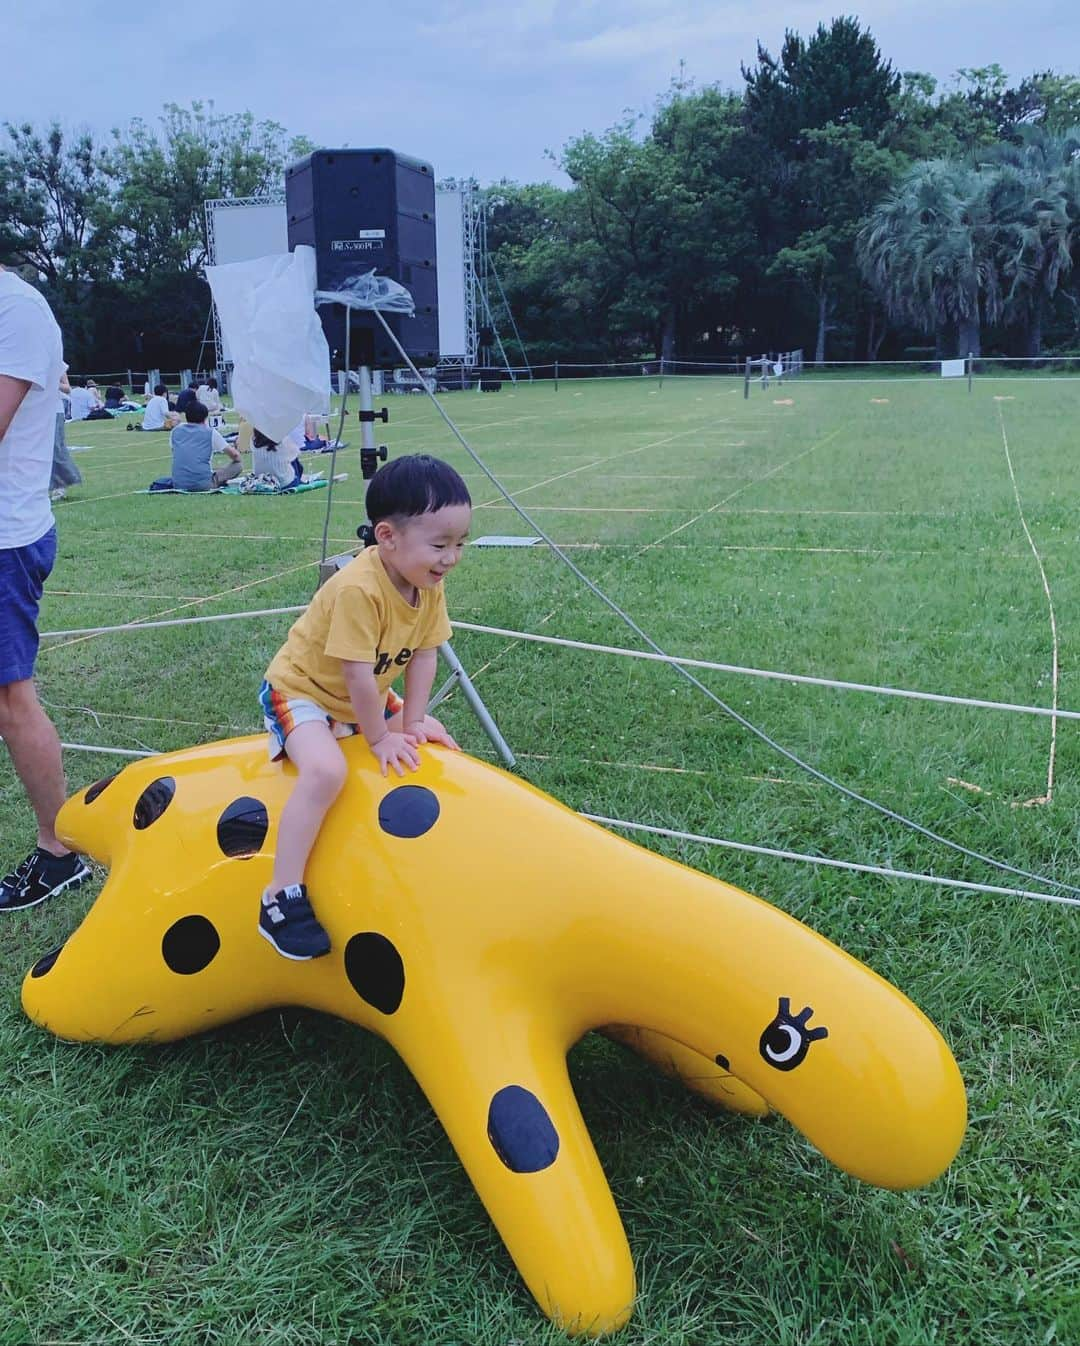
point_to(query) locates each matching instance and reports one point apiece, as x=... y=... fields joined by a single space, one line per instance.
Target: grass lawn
x=284 y=1181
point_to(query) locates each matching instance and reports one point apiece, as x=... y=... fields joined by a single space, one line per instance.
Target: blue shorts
x=23 y=572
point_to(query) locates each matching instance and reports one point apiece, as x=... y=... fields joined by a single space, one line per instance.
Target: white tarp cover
x=281 y=362
x=369 y=291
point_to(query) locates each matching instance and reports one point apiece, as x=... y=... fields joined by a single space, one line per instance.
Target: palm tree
x=959 y=245
x=1038 y=212
x=928 y=253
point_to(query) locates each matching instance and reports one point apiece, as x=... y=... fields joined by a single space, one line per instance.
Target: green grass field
x=283 y=1181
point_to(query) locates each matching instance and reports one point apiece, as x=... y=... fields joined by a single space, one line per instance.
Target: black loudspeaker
x=363 y=210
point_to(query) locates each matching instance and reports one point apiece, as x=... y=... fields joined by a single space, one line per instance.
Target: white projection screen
x=241 y=230
x=238 y=232
x=450 y=260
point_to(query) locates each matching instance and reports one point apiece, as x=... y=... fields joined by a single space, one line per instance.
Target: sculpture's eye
x=786 y=1040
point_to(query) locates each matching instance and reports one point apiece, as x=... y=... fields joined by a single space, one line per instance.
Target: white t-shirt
x=31 y=348
x=156 y=411
x=83 y=402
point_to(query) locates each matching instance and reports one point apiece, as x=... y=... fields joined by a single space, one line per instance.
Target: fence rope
x=770 y=851
x=678 y=661
x=879 y=870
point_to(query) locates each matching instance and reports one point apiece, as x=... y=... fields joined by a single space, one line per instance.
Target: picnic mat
x=230 y=489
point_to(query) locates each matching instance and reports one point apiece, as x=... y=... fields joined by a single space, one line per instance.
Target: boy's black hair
x=160 y=390
x=211 y=383
x=413 y=485
x=261 y=441
x=196 y=413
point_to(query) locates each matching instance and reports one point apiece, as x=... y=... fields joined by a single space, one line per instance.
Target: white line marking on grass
x=756 y=481
x=214 y=537
x=71 y=501
x=830 y=551
x=151 y=617
x=585 y=467
x=1049 y=795
x=87 y=593
x=591 y=509
x=867 y=513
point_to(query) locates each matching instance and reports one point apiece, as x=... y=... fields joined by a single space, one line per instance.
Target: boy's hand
x=394 y=750
x=430 y=730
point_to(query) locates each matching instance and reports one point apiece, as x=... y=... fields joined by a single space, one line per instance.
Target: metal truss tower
x=211 y=207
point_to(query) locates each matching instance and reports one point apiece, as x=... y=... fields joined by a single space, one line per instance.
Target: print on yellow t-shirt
x=358 y=616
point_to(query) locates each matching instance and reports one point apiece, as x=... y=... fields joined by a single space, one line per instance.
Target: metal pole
x=746 y=379
x=556 y=376
x=367 y=428
x=661 y=383
x=970 y=368
x=478 y=708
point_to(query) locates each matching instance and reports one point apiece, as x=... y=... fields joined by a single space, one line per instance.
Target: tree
x=164 y=177
x=821 y=117
x=1030 y=199
x=837 y=77
x=930 y=253
x=161 y=180
x=53 y=194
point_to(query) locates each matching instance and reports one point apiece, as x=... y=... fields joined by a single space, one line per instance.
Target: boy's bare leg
x=312 y=748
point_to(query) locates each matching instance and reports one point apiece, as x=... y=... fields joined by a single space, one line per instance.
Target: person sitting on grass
x=209 y=396
x=186 y=396
x=193 y=444
x=381 y=615
x=158 y=415
x=84 y=399
x=274 y=460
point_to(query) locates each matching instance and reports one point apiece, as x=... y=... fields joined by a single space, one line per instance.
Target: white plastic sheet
x=281 y=362
x=369 y=291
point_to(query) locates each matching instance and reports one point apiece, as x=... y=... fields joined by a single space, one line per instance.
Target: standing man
x=31 y=366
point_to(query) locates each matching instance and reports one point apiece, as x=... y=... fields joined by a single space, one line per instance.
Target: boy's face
x=424 y=549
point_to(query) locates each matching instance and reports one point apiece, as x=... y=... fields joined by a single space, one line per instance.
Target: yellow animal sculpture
x=482 y=928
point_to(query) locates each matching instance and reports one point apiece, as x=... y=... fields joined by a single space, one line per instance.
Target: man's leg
x=35 y=751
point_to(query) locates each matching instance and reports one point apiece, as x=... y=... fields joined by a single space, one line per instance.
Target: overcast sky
x=482 y=88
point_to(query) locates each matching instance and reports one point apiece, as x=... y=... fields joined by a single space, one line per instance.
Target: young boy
x=383 y=614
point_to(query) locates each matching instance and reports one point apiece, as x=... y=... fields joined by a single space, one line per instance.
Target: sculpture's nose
x=42 y=999
x=45 y=962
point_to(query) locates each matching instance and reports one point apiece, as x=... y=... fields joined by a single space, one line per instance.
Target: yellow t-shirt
x=357 y=615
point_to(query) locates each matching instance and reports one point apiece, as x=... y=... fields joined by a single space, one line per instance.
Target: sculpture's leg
x=704 y=1076
x=828 y=1044
x=502 y=1092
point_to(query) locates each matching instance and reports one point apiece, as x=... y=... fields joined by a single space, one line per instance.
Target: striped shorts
x=281 y=715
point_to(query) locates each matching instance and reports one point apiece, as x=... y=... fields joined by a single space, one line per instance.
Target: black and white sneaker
x=288 y=922
x=39 y=876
